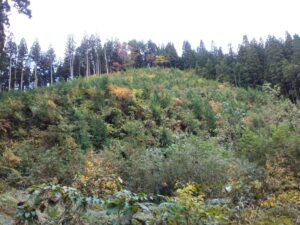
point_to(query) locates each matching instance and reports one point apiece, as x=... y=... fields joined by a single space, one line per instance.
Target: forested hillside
x=273 y=61
x=201 y=151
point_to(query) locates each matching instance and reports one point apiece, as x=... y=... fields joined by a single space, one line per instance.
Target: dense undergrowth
x=203 y=152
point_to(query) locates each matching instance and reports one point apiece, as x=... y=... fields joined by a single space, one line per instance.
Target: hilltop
x=227 y=155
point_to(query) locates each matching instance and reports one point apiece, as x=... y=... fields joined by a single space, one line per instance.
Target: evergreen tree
x=123 y=55
x=230 y=62
x=274 y=53
x=95 y=54
x=22 y=59
x=4 y=62
x=151 y=51
x=35 y=55
x=43 y=70
x=108 y=52
x=188 y=56
x=22 y=6
x=69 y=55
x=116 y=59
x=50 y=58
x=11 y=50
x=137 y=53
x=171 y=55
x=251 y=69
x=62 y=71
x=202 y=55
x=296 y=49
x=290 y=84
x=288 y=46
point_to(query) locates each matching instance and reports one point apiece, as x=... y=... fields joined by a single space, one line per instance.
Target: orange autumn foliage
x=51 y=104
x=178 y=102
x=120 y=93
x=215 y=106
x=221 y=87
x=248 y=121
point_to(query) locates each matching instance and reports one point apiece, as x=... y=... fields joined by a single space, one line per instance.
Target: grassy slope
x=46 y=133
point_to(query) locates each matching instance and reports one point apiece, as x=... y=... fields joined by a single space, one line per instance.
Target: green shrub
x=157 y=113
x=156 y=170
x=81 y=131
x=10 y=176
x=254 y=147
x=98 y=132
x=166 y=138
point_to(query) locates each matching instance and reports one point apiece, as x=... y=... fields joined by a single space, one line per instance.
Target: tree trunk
x=71 y=67
x=79 y=66
x=15 y=78
x=35 y=77
x=106 y=64
x=21 y=82
x=87 y=64
x=235 y=80
x=97 y=64
x=100 y=66
x=51 y=74
x=9 y=79
x=94 y=68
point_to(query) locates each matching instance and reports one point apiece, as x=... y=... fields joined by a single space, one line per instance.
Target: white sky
x=224 y=21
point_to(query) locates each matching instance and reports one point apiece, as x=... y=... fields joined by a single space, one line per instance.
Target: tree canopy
x=22 y=6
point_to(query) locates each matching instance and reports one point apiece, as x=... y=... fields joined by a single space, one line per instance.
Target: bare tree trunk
x=71 y=67
x=235 y=82
x=70 y=64
x=100 y=66
x=94 y=68
x=22 y=77
x=51 y=74
x=9 y=79
x=106 y=64
x=15 y=78
x=97 y=64
x=87 y=64
x=35 y=77
x=79 y=65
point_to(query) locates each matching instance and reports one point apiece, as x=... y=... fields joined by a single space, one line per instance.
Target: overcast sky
x=224 y=21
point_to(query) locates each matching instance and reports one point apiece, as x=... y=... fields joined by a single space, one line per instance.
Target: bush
x=156 y=170
x=10 y=176
x=98 y=132
x=157 y=113
x=166 y=138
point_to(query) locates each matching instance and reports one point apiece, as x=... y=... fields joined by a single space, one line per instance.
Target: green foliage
x=165 y=138
x=9 y=176
x=157 y=113
x=155 y=128
x=99 y=133
x=262 y=144
x=81 y=128
x=254 y=146
x=203 y=111
x=156 y=170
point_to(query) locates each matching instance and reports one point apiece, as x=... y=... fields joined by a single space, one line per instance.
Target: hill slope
x=158 y=130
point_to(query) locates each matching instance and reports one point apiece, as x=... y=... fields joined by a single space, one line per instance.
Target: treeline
x=276 y=61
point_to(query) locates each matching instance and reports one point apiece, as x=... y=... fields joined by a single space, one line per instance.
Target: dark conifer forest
x=256 y=62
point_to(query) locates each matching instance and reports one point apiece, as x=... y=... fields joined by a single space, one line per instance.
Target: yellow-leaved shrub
x=120 y=93
x=99 y=177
